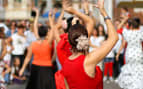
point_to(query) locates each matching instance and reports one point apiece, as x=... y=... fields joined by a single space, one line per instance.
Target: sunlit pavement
x=17 y=86
x=111 y=85
x=106 y=86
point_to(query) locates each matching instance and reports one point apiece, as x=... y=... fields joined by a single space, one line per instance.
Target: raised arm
x=93 y=58
x=36 y=23
x=51 y=30
x=86 y=19
x=86 y=7
x=58 y=27
x=27 y=60
x=123 y=22
x=59 y=22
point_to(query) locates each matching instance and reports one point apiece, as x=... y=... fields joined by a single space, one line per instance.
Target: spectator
x=15 y=72
x=7 y=58
x=120 y=63
x=94 y=43
x=12 y=30
x=4 y=26
x=2 y=54
x=30 y=37
x=18 y=41
x=101 y=38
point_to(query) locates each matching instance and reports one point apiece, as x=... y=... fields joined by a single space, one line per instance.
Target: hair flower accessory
x=83 y=43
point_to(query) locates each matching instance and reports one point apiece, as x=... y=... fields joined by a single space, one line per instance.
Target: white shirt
x=18 y=43
x=111 y=54
x=96 y=41
x=118 y=45
x=5 y=27
x=30 y=37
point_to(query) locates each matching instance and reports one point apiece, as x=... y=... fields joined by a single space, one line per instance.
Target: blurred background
x=20 y=10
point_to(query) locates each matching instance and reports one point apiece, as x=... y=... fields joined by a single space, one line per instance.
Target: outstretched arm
x=27 y=60
x=51 y=31
x=58 y=26
x=59 y=22
x=123 y=22
x=87 y=20
x=97 y=55
x=36 y=23
x=86 y=7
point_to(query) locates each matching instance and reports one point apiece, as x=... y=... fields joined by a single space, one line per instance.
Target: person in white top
x=18 y=42
x=2 y=54
x=93 y=40
x=131 y=76
x=119 y=63
x=101 y=39
x=9 y=48
x=30 y=37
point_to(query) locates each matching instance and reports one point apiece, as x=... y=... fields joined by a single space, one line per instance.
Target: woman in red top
x=42 y=76
x=80 y=69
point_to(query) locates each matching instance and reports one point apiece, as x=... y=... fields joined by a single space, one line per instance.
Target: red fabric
x=59 y=77
x=120 y=31
x=111 y=69
x=77 y=78
x=63 y=49
x=108 y=68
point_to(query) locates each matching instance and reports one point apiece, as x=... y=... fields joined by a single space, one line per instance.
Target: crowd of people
x=72 y=53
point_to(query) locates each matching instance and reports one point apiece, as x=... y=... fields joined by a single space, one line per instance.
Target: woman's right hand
x=21 y=72
x=100 y=4
x=67 y=6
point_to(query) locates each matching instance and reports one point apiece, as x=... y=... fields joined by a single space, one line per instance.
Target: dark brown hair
x=74 y=33
x=136 y=23
x=20 y=26
x=104 y=34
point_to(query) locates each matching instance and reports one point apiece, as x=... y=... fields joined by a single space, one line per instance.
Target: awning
x=130 y=3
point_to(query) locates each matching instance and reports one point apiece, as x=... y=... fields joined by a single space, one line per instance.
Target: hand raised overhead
x=67 y=5
x=100 y=4
x=36 y=10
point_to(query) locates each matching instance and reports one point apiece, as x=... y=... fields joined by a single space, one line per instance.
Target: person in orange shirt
x=42 y=76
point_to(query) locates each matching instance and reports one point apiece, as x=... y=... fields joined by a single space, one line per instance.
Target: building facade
x=21 y=9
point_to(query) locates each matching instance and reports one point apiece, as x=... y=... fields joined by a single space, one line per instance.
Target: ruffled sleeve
x=63 y=49
x=59 y=79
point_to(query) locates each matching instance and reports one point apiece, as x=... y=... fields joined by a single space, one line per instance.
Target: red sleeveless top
x=77 y=78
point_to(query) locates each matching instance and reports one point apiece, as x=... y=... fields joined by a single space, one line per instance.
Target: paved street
x=106 y=86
